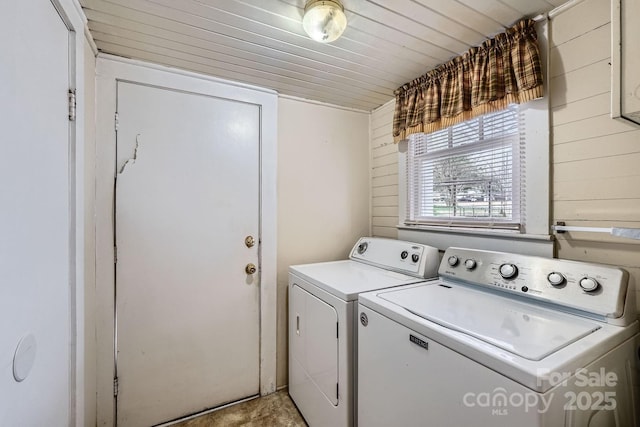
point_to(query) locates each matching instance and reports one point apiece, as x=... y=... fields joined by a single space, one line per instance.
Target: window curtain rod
x=540 y=18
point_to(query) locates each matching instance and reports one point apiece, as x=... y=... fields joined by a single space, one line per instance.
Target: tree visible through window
x=467 y=174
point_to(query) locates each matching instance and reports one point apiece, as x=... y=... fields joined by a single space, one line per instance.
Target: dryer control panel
x=592 y=289
x=414 y=259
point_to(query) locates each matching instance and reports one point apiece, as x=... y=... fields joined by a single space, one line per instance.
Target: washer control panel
x=592 y=288
x=410 y=258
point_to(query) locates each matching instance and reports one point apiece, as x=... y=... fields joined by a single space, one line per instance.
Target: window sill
x=497 y=233
x=496 y=240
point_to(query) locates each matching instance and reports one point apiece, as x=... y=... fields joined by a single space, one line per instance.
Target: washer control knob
x=470 y=264
x=508 y=271
x=589 y=284
x=415 y=257
x=453 y=260
x=404 y=254
x=555 y=278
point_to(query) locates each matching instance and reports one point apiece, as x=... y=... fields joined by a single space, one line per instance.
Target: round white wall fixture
x=24 y=357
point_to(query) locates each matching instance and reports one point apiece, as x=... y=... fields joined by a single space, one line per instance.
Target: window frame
x=452 y=151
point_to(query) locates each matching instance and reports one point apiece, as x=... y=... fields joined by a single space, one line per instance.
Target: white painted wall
x=74 y=404
x=323 y=192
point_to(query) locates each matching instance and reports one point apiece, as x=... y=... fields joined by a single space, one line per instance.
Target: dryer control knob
x=453 y=260
x=555 y=278
x=415 y=257
x=470 y=264
x=589 y=284
x=362 y=247
x=508 y=271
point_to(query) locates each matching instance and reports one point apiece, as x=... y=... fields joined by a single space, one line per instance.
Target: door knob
x=249 y=241
x=250 y=268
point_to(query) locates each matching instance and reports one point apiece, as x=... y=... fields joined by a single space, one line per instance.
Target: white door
x=187 y=196
x=34 y=218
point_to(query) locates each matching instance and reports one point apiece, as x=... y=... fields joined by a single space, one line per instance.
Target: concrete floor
x=275 y=410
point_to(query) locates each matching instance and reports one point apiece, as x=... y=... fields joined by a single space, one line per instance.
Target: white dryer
x=323 y=324
x=501 y=340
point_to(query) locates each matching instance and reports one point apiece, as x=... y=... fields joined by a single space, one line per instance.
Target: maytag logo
x=418 y=341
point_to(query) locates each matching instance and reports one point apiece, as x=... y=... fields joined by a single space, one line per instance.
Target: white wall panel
x=590 y=127
x=593 y=106
x=595 y=174
x=598 y=147
x=571 y=56
x=580 y=19
x=384 y=173
x=627 y=187
x=570 y=87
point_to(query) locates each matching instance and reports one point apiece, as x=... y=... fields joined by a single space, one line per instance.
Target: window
x=490 y=210
x=469 y=174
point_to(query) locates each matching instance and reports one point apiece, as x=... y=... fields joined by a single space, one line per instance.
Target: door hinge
x=116 y=122
x=71 y=95
x=115 y=386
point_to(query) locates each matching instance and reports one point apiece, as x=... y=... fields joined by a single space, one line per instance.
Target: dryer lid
x=526 y=330
x=346 y=279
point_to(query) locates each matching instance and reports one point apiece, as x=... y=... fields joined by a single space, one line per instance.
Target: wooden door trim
x=110 y=70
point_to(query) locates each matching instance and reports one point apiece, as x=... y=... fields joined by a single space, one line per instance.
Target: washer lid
x=527 y=330
x=346 y=279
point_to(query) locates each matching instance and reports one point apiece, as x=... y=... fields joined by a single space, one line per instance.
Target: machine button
x=555 y=278
x=404 y=254
x=453 y=260
x=415 y=257
x=508 y=271
x=362 y=247
x=470 y=264
x=589 y=284
x=524 y=289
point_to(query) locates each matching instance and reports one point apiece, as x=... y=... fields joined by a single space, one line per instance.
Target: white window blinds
x=468 y=175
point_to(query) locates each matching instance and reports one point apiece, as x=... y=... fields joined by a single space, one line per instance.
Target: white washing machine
x=323 y=324
x=501 y=340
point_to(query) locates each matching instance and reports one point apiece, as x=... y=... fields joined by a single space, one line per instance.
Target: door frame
x=109 y=70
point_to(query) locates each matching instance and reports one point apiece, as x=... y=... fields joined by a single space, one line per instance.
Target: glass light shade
x=324 y=21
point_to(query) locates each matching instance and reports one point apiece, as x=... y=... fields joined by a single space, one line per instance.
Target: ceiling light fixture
x=324 y=20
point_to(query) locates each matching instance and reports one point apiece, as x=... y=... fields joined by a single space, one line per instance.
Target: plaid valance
x=503 y=70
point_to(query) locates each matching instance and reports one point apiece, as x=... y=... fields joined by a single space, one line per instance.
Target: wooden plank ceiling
x=261 y=42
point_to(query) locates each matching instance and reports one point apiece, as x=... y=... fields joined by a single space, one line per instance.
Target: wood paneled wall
x=384 y=173
x=596 y=173
x=596 y=159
